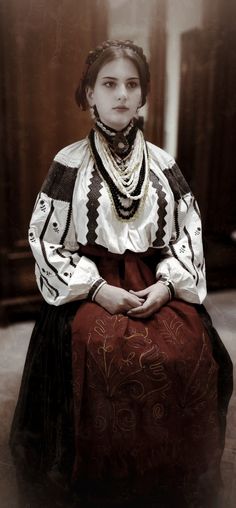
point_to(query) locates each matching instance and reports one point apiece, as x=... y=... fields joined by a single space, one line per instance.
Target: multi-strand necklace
x=126 y=177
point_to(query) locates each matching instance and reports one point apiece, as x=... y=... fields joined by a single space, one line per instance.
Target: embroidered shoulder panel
x=167 y=164
x=177 y=182
x=60 y=182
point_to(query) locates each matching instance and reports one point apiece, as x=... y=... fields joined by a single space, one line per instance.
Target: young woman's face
x=117 y=93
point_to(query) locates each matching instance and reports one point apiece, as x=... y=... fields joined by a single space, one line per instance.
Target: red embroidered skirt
x=145 y=399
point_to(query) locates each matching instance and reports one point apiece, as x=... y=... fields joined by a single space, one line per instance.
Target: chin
x=119 y=125
x=117 y=121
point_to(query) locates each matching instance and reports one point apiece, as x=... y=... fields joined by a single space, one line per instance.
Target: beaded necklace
x=127 y=180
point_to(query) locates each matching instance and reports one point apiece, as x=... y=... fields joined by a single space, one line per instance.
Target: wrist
x=169 y=286
x=104 y=283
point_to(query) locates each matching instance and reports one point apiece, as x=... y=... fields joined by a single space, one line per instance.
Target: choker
x=120 y=142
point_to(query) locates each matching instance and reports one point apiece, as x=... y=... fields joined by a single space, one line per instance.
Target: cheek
x=137 y=99
x=102 y=99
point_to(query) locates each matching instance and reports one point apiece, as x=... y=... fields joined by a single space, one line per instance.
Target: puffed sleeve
x=62 y=274
x=183 y=261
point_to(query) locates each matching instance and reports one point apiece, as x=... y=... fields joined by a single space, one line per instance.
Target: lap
x=150 y=384
x=173 y=335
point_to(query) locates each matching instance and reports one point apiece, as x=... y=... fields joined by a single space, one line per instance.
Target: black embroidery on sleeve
x=58 y=251
x=179 y=260
x=41 y=238
x=60 y=182
x=68 y=221
x=195 y=205
x=192 y=253
x=177 y=182
x=44 y=281
x=176 y=222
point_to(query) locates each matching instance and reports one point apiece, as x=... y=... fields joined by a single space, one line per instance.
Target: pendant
x=120 y=144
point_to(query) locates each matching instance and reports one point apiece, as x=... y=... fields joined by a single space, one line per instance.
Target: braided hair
x=106 y=52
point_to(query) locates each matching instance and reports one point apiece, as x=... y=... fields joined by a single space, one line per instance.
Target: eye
x=109 y=84
x=133 y=84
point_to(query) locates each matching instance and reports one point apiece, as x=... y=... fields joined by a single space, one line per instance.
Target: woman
x=126 y=384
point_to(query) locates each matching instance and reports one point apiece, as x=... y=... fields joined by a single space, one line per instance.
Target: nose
x=122 y=93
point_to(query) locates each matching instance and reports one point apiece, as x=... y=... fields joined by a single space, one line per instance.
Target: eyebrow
x=116 y=79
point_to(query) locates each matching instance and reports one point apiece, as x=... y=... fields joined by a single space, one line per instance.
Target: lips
x=121 y=108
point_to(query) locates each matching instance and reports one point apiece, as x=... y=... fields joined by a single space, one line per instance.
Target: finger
x=140 y=315
x=142 y=292
x=149 y=302
x=133 y=304
x=145 y=315
x=148 y=308
x=138 y=298
x=133 y=310
x=135 y=300
x=140 y=311
x=145 y=310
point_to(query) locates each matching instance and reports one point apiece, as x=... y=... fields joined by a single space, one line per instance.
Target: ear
x=89 y=96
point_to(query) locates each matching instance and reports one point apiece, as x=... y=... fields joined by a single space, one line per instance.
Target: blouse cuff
x=95 y=288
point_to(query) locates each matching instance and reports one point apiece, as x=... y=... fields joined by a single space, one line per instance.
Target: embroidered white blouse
x=75 y=208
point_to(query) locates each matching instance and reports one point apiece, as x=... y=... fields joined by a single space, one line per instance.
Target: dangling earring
x=92 y=111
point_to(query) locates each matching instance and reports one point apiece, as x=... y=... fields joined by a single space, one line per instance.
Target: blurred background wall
x=191 y=47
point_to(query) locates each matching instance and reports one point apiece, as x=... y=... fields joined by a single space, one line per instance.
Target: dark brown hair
x=107 y=52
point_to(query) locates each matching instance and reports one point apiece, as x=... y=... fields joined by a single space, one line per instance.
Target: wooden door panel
x=41 y=59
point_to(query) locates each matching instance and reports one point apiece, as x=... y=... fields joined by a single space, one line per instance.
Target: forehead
x=119 y=68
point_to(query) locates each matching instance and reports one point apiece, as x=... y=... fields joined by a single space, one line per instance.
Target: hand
x=155 y=296
x=117 y=300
